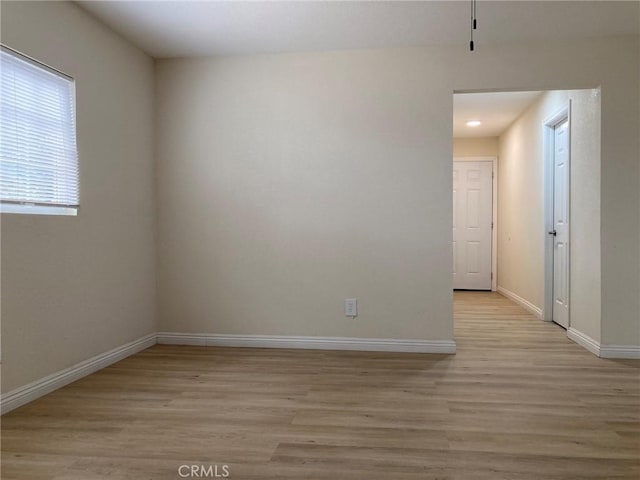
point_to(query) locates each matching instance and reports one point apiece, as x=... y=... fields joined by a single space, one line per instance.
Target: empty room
x=356 y=240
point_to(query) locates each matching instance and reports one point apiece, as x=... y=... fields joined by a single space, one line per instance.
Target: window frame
x=46 y=208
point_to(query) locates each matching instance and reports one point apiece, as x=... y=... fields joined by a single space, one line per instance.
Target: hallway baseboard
x=520 y=301
x=603 y=351
x=584 y=340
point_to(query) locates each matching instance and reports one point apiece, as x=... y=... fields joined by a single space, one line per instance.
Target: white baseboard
x=38 y=388
x=34 y=390
x=620 y=351
x=603 y=351
x=318 y=343
x=584 y=340
x=520 y=301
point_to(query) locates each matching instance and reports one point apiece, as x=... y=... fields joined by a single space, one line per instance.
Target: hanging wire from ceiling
x=474 y=22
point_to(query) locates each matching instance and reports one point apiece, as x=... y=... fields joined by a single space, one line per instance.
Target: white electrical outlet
x=351 y=307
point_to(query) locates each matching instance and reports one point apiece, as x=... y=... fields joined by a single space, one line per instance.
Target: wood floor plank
x=519 y=401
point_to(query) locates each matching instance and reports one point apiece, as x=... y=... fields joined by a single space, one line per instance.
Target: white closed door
x=472 y=223
x=561 y=224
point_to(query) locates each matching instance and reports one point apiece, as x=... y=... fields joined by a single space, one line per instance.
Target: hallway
x=522 y=387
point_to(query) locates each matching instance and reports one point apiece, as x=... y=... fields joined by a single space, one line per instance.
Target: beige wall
x=289 y=182
x=521 y=201
x=620 y=164
x=303 y=180
x=74 y=287
x=521 y=215
x=585 y=299
x=475 y=147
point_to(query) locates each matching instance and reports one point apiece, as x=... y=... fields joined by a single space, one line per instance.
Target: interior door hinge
x=491 y=225
x=491 y=275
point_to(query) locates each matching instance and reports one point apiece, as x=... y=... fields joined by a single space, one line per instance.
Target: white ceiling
x=496 y=111
x=188 y=28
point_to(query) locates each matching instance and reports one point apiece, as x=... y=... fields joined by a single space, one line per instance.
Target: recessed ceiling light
x=474 y=123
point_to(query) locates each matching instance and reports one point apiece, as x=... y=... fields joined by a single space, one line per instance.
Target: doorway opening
x=520 y=226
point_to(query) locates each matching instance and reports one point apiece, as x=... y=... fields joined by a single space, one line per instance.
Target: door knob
x=553 y=232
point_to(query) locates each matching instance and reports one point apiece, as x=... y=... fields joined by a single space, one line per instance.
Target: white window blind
x=38 y=154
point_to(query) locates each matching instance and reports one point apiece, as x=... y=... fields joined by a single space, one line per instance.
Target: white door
x=561 y=224
x=472 y=223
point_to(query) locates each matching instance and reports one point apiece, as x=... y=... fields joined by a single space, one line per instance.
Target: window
x=38 y=154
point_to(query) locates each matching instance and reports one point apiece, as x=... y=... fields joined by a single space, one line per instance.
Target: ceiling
x=496 y=111
x=187 y=28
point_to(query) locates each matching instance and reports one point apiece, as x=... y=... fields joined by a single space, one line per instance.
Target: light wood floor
x=518 y=401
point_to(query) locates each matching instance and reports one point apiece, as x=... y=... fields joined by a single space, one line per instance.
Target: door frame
x=494 y=214
x=548 y=131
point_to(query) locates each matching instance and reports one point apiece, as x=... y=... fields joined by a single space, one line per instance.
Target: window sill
x=37 y=209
